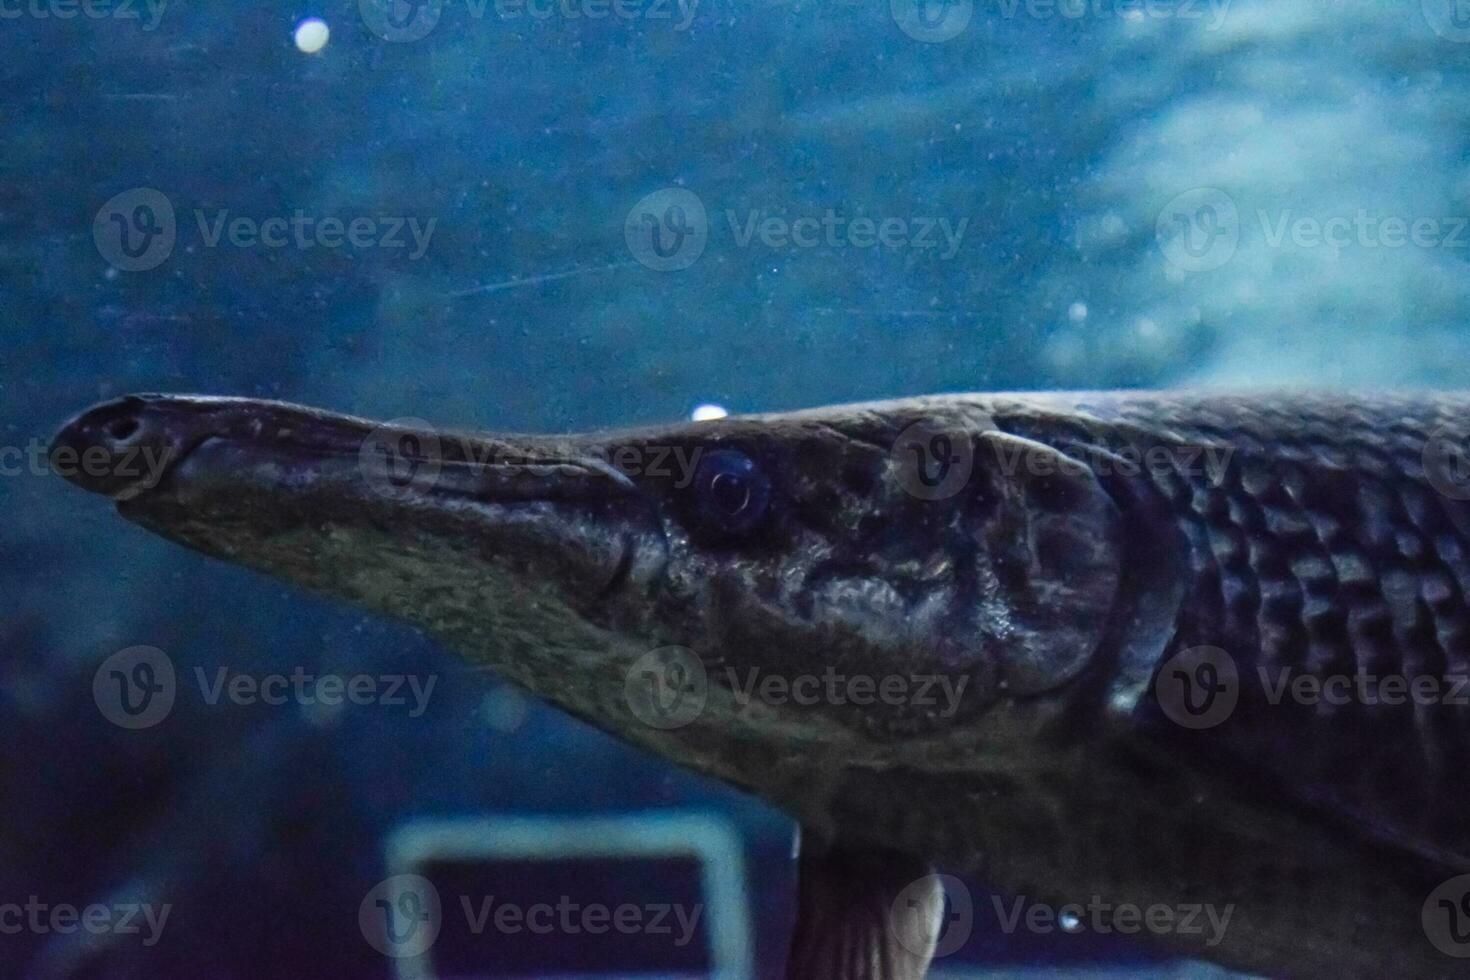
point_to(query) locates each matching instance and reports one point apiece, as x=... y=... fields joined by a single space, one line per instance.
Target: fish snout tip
x=118 y=448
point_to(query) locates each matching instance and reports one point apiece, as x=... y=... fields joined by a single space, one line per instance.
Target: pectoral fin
x=864 y=914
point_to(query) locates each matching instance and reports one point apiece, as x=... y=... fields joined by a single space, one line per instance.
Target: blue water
x=1001 y=195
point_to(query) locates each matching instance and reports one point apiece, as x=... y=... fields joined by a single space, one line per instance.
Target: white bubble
x=1077 y=312
x=708 y=413
x=323 y=708
x=504 y=710
x=311 y=35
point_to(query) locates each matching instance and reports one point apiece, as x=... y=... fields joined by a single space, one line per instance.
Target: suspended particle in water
x=311 y=35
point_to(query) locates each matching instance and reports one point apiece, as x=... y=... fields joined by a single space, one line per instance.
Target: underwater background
x=556 y=215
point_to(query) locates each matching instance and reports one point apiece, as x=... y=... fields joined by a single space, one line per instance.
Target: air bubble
x=311 y=35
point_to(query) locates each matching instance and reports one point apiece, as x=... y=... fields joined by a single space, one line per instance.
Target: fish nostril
x=119 y=448
x=123 y=429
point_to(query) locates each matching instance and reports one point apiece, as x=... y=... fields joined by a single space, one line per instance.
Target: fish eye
x=731 y=494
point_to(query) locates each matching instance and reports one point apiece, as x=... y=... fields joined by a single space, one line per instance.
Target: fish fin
x=864 y=914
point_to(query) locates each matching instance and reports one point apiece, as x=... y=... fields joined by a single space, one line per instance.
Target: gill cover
x=1053 y=539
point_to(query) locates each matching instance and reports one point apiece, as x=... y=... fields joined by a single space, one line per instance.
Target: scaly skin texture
x=1094 y=544
x=1329 y=538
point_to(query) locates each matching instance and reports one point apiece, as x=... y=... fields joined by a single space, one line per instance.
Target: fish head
x=732 y=593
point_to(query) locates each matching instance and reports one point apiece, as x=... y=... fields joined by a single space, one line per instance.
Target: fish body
x=1105 y=651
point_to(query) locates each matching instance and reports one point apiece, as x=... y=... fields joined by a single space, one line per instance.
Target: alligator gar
x=1191 y=650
